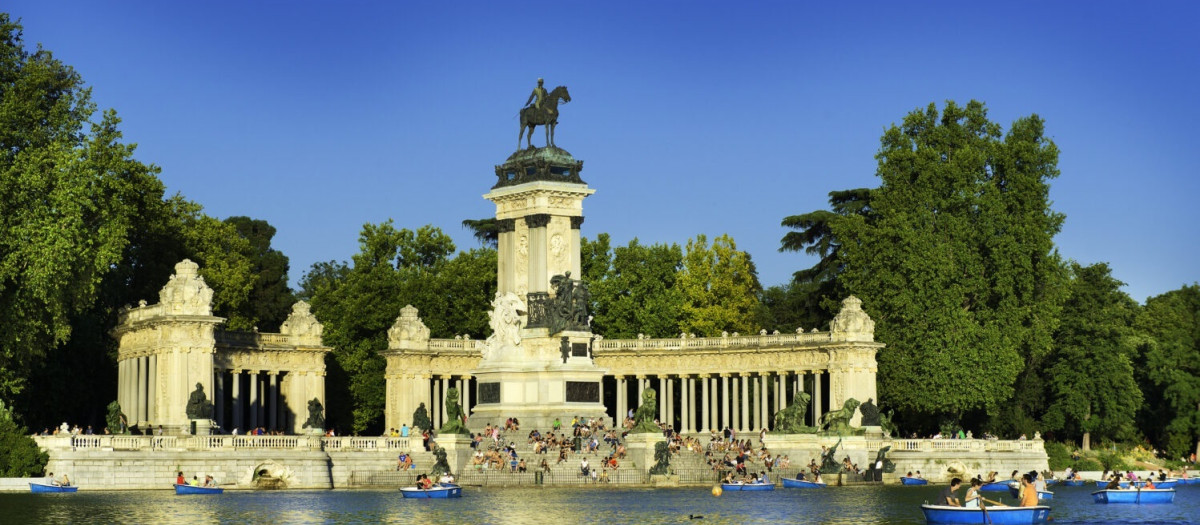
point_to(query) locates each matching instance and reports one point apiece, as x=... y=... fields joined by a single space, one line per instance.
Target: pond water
x=858 y=504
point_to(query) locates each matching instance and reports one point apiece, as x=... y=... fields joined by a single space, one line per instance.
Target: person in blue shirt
x=404 y=430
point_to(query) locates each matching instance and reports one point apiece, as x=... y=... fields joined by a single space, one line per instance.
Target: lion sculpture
x=454 y=415
x=790 y=420
x=643 y=417
x=839 y=420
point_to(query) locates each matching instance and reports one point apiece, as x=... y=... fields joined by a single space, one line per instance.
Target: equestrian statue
x=541 y=110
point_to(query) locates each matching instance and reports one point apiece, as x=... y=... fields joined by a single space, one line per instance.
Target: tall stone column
x=705 y=400
x=755 y=402
x=273 y=417
x=745 y=405
x=622 y=409
x=662 y=399
x=781 y=399
x=253 y=376
x=683 y=405
x=465 y=392
x=143 y=368
x=725 y=402
x=691 y=406
x=152 y=390
x=816 y=397
x=236 y=398
x=765 y=407
x=219 y=397
x=539 y=281
x=506 y=245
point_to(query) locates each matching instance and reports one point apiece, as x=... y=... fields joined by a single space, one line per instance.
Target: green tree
x=720 y=288
x=1169 y=369
x=815 y=294
x=359 y=302
x=65 y=203
x=20 y=456
x=271 y=298
x=1091 y=370
x=958 y=266
x=634 y=288
x=486 y=231
x=224 y=257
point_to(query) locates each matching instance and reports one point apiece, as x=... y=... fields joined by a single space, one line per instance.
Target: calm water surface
x=867 y=504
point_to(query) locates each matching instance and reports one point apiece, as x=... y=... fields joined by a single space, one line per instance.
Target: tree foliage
x=65 y=218
x=360 y=301
x=1169 y=369
x=1090 y=367
x=815 y=294
x=720 y=288
x=957 y=265
x=633 y=288
x=270 y=299
x=20 y=456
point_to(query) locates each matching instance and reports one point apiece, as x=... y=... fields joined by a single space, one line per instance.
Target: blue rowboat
x=193 y=489
x=435 y=492
x=41 y=488
x=997 y=486
x=1134 y=496
x=1168 y=484
x=800 y=484
x=1073 y=483
x=995 y=515
x=1124 y=484
x=1188 y=481
x=913 y=481
x=747 y=486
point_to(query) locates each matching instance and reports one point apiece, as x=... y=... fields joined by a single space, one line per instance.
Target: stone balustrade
x=702 y=343
x=217 y=443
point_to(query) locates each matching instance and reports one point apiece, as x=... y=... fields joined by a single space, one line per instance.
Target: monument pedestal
x=640 y=448
x=458 y=450
x=200 y=427
x=542 y=379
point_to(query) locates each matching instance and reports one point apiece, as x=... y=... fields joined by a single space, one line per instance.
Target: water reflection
x=868 y=504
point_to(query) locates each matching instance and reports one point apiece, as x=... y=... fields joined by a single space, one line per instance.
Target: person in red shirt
x=179 y=479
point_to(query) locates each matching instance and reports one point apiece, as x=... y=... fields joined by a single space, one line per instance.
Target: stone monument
x=537 y=365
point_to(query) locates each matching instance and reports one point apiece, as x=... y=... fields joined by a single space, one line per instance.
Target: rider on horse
x=539 y=94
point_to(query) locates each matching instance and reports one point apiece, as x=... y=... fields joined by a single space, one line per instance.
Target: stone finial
x=762 y=332
x=408 y=332
x=186 y=293
x=302 y=325
x=852 y=323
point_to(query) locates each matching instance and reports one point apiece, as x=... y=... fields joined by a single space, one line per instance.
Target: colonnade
x=271 y=399
x=431 y=389
x=137 y=378
x=744 y=402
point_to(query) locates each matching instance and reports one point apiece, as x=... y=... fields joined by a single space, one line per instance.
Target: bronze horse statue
x=531 y=117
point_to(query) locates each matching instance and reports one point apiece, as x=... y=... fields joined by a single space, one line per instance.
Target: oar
x=986 y=517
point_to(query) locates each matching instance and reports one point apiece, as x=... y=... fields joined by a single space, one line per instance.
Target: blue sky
x=691 y=117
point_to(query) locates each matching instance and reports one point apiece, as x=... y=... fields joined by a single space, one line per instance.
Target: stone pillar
x=691 y=406
x=236 y=398
x=683 y=405
x=506 y=245
x=756 y=401
x=465 y=394
x=765 y=406
x=745 y=404
x=219 y=398
x=816 y=398
x=725 y=401
x=273 y=417
x=662 y=399
x=253 y=378
x=143 y=368
x=781 y=399
x=539 y=281
x=152 y=391
x=705 y=400
x=622 y=408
